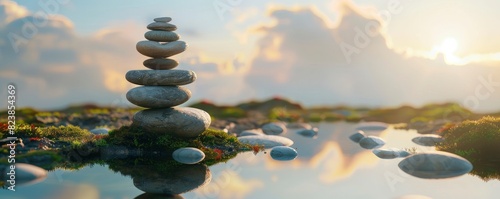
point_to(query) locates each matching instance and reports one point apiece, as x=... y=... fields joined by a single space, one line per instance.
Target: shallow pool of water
x=329 y=166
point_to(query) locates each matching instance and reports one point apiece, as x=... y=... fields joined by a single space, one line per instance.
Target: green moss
x=315 y=117
x=477 y=141
x=216 y=144
x=65 y=133
x=132 y=136
x=284 y=114
x=101 y=143
x=332 y=117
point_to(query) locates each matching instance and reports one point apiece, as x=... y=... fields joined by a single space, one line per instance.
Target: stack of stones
x=160 y=89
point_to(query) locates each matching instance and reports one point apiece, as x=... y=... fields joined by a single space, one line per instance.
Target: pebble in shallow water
x=427 y=140
x=371 y=142
x=356 y=137
x=310 y=133
x=435 y=165
x=283 y=153
x=268 y=141
x=274 y=128
x=390 y=153
x=188 y=155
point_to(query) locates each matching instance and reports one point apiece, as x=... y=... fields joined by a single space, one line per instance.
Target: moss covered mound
x=479 y=142
x=216 y=144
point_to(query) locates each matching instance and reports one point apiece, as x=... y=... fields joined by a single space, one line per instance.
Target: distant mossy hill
x=268 y=105
x=274 y=109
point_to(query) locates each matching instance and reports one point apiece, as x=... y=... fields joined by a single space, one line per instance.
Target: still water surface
x=329 y=166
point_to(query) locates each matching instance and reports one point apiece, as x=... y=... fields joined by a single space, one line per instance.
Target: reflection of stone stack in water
x=161 y=87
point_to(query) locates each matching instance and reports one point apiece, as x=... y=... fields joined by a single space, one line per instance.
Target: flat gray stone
x=390 y=153
x=160 y=77
x=268 y=141
x=356 y=137
x=188 y=155
x=161 y=36
x=162 y=26
x=100 y=131
x=372 y=126
x=160 y=50
x=435 y=165
x=274 y=128
x=160 y=64
x=182 y=180
x=179 y=121
x=283 y=153
x=251 y=132
x=427 y=140
x=404 y=153
x=371 y=142
x=162 y=19
x=158 y=96
x=310 y=133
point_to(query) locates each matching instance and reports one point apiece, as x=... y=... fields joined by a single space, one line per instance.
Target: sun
x=449 y=46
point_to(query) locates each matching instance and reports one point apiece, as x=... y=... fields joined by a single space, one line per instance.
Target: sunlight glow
x=449 y=46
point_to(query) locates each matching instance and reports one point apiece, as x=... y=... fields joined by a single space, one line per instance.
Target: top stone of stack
x=161 y=43
x=162 y=19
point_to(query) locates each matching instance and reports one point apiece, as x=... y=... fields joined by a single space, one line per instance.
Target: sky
x=320 y=52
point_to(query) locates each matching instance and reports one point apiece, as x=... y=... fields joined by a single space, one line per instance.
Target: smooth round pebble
x=251 y=132
x=404 y=153
x=387 y=153
x=160 y=64
x=160 y=50
x=158 y=96
x=161 y=77
x=274 y=128
x=435 y=165
x=310 y=133
x=188 y=155
x=371 y=142
x=180 y=121
x=161 y=36
x=268 y=141
x=356 y=137
x=162 y=19
x=427 y=140
x=100 y=131
x=283 y=153
x=372 y=126
x=162 y=26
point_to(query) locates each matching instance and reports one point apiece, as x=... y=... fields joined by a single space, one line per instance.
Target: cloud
x=302 y=57
x=10 y=11
x=229 y=185
x=52 y=66
x=80 y=191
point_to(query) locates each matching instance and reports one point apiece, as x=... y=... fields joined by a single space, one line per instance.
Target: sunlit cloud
x=291 y=51
x=81 y=191
x=229 y=185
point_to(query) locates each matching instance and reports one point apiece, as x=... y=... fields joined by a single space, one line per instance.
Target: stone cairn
x=160 y=89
